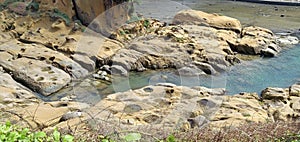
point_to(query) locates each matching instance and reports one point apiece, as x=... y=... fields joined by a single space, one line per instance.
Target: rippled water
x=249 y=76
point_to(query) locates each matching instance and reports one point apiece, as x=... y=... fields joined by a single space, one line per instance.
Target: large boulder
x=256 y=41
x=103 y=16
x=213 y=20
x=37 y=75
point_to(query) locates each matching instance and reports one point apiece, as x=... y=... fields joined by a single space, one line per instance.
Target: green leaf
x=132 y=137
x=171 y=138
x=67 y=138
x=39 y=136
x=56 y=136
x=105 y=140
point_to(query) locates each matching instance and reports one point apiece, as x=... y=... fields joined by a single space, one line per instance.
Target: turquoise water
x=254 y=76
x=249 y=76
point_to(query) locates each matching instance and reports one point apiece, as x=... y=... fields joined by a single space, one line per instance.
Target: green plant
x=9 y=132
x=171 y=138
x=58 y=14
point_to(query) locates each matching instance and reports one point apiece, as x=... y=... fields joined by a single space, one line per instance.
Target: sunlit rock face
x=102 y=16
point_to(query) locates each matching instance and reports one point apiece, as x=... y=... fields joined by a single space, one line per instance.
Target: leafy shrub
x=11 y=133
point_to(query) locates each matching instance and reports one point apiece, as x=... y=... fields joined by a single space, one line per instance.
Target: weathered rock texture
x=170 y=106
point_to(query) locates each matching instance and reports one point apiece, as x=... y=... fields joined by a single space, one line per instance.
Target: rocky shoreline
x=43 y=52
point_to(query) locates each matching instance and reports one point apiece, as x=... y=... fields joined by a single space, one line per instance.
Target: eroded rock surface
x=14 y=94
x=176 y=107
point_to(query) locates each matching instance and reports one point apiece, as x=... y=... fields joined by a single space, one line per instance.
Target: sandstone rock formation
x=179 y=107
x=194 y=17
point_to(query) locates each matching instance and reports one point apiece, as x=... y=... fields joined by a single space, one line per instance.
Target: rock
x=50 y=37
x=255 y=41
x=85 y=61
x=118 y=70
x=64 y=6
x=190 y=71
x=179 y=106
x=287 y=40
x=268 y=52
x=14 y=93
x=41 y=114
x=70 y=115
x=102 y=15
x=166 y=84
x=208 y=69
x=295 y=103
x=271 y=51
x=199 y=121
x=213 y=20
x=106 y=68
x=294 y=90
x=37 y=75
x=274 y=94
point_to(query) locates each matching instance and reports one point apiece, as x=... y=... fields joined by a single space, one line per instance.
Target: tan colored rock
x=37 y=75
x=256 y=41
x=47 y=33
x=213 y=20
x=103 y=16
x=295 y=90
x=180 y=107
x=275 y=94
x=13 y=94
x=295 y=103
x=41 y=115
x=239 y=109
x=64 y=6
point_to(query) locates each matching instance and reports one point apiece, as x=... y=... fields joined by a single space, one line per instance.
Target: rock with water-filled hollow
x=36 y=75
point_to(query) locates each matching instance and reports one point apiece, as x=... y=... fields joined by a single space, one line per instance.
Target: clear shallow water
x=249 y=76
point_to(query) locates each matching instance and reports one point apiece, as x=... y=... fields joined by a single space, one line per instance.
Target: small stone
x=106 y=78
x=97 y=76
x=103 y=73
x=198 y=121
x=106 y=68
x=99 y=72
x=70 y=115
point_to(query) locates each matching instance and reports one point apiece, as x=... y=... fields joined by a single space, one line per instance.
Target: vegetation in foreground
x=277 y=131
x=273 y=131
